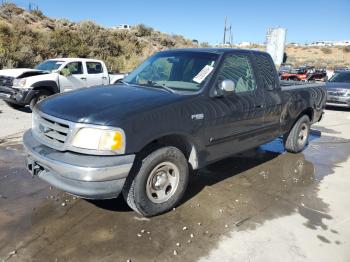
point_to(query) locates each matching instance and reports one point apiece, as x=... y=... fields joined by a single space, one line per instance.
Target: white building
x=244 y=44
x=123 y=27
x=331 y=43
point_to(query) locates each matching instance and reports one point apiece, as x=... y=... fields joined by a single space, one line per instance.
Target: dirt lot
x=263 y=205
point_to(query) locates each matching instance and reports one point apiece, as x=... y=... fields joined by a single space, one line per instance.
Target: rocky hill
x=27 y=38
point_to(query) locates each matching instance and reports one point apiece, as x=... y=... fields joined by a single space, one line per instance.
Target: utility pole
x=224 y=42
x=231 y=37
x=227 y=29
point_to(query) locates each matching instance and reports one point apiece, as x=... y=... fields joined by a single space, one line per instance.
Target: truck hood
x=18 y=72
x=106 y=105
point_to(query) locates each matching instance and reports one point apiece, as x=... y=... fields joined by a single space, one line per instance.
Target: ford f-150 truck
x=21 y=86
x=178 y=111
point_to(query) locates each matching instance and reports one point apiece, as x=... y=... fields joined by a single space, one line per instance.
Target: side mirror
x=225 y=87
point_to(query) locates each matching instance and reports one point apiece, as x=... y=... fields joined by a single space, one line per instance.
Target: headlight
x=108 y=140
x=19 y=82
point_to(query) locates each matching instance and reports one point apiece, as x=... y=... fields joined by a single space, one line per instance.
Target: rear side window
x=94 y=67
x=238 y=69
x=267 y=71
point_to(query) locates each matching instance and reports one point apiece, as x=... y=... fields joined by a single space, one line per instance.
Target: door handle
x=104 y=77
x=260 y=106
x=83 y=78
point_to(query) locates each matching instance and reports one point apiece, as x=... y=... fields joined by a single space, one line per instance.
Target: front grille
x=336 y=93
x=338 y=102
x=6 y=81
x=51 y=132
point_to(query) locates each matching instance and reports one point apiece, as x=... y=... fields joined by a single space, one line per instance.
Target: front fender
x=46 y=84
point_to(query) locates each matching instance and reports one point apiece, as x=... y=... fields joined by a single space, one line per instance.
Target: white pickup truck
x=20 y=87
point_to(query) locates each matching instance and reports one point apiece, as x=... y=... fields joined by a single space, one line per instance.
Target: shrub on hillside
x=37 y=12
x=26 y=39
x=7 y=8
x=346 y=49
x=326 y=50
x=142 y=30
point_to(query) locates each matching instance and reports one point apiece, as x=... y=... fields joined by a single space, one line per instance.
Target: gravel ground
x=13 y=121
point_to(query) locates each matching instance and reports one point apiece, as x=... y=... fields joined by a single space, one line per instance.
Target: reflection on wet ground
x=40 y=223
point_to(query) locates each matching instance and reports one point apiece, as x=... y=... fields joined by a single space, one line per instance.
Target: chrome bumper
x=338 y=101
x=87 y=176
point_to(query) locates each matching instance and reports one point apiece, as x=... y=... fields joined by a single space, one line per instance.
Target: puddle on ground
x=39 y=222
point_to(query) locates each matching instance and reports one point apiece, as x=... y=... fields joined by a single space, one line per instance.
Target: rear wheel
x=14 y=106
x=40 y=96
x=157 y=182
x=296 y=140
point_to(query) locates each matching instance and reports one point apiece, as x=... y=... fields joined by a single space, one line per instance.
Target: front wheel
x=296 y=140
x=157 y=182
x=41 y=96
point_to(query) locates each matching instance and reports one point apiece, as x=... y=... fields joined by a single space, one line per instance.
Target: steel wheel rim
x=162 y=182
x=42 y=97
x=303 y=134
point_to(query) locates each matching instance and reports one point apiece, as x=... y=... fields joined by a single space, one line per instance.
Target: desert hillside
x=329 y=57
x=27 y=38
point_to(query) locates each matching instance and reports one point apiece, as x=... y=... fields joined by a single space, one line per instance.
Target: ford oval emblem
x=44 y=129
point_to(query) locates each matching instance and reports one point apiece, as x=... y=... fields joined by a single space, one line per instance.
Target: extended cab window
x=267 y=71
x=94 y=67
x=75 y=68
x=238 y=69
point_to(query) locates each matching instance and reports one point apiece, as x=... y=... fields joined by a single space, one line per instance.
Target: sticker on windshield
x=203 y=74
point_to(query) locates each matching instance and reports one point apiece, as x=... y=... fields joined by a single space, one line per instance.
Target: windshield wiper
x=156 y=84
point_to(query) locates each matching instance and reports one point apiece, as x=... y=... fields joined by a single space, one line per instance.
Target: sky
x=305 y=21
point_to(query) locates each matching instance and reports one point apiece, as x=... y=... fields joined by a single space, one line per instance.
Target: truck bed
x=291 y=85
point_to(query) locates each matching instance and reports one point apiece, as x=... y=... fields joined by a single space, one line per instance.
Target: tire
x=41 y=96
x=296 y=140
x=157 y=182
x=14 y=106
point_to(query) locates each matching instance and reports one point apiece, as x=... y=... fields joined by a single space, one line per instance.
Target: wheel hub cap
x=303 y=134
x=162 y=182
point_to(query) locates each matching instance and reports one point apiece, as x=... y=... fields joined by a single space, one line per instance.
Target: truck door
x=269 y=83
x=76 y=79
x=235 y=119
x=95 y=74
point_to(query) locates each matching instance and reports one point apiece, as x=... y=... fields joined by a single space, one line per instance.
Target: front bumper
x=341 y=101
x=86 y=176
x=16 y=95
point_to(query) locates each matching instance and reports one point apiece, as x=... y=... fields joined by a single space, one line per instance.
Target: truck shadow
x=224 y=169
x=227 y=168
x=336 y=108
x=209 y=176
x=25 y=109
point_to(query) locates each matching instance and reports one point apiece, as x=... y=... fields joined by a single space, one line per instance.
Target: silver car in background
x=338 y=89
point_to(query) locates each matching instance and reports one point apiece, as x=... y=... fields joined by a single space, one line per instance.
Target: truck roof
x=68 y=59
x=214 y=50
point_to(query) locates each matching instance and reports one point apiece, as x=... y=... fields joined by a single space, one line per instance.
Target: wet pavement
x=223 y=203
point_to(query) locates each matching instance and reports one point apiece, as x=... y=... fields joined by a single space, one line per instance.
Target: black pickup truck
x=178 y=111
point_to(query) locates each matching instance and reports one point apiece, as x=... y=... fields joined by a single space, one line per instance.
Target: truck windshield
x=343 y=77
x=49 y=65
x=182 y=71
